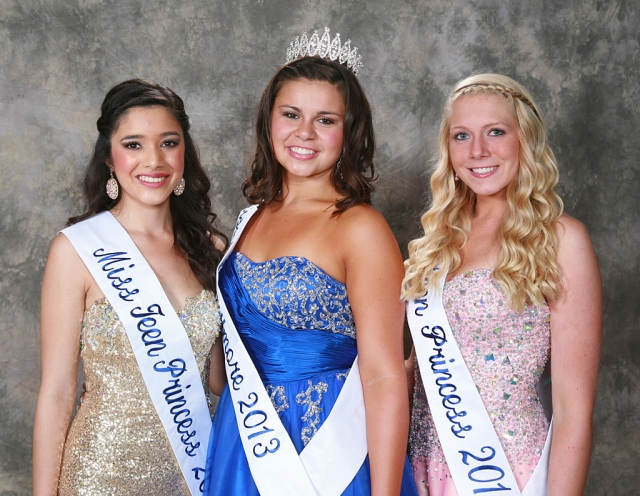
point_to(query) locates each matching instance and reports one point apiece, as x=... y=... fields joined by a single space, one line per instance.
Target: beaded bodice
x=104 y=339
x=296 y=293
x=505 y=352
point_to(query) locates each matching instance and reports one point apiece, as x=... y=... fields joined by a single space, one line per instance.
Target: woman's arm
x=374 y=273
x=217 y=375
x=576 y=328
x=62 y=307
x=409 y=367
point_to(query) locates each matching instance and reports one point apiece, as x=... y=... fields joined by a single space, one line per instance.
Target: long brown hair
x=353 y=180
x=191 y=212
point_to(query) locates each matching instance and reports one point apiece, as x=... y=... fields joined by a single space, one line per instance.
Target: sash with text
x=475 y=457
x=336 y=452
x=158 y=338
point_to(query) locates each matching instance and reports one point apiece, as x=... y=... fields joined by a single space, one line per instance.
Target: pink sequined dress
x=506 y=353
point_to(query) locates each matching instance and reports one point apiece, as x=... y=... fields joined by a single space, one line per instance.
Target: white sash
x=336 y=452
x=159 y=341
x=473 y=451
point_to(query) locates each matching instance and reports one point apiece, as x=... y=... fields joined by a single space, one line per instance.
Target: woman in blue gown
x=314 y=279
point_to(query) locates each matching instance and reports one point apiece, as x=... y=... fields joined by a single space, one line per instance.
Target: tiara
x=317 y=46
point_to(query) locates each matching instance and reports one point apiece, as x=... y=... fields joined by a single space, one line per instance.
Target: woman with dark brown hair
x=129 y=288
x=310 y=298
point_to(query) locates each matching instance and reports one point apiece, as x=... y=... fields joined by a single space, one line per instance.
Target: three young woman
x=129 y=288
x=502 y=272
x=310 y=297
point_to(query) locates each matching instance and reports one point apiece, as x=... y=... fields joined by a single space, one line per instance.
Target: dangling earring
x=455 y=177
x=179 y=189
x=112 y=186
x=339 y=168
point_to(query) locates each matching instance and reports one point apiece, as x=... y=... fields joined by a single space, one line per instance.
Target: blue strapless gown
x=296 y=323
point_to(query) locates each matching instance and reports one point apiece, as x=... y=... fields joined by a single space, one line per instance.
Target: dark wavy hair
x=355 y=177
x=191 y=212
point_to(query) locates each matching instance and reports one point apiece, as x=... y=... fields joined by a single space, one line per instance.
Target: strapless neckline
x=467 y=273
x=188 y=303
x=292 y=257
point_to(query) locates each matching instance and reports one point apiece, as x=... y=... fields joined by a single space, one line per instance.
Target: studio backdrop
x=579 y=58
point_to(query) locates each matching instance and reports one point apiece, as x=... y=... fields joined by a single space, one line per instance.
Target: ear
x=108 y=163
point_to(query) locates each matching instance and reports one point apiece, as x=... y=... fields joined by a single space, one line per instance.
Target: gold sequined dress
x=117 y=444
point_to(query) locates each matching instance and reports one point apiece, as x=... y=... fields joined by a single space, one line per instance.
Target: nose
x=479 y=148
x=153 y=157
x=305 y=129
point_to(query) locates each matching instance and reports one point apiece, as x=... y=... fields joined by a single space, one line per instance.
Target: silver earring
x=455 y=177
x=179 y=189
x=339 y=168
x=112 y=186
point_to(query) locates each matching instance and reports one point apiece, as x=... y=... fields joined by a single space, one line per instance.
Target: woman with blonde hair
x=500 y=274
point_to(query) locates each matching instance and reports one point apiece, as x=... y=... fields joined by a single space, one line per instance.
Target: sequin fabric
x=117 y=444
x=505 y=352
x=296 y=293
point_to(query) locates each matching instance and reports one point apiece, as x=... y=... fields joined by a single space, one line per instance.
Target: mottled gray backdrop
x=579 y=58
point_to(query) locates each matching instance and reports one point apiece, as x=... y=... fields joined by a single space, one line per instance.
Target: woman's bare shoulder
x=365 y=230
x=364 y=219
x=573 y=234
x=62 y=251
x=219 y=243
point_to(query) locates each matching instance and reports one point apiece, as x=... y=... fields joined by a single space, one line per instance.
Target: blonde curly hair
x=526 y=269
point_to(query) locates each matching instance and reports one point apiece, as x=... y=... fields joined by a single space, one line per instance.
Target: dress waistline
x=283 y=354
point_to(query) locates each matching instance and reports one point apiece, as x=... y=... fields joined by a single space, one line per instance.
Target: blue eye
x=496 y=132
x=460 y=136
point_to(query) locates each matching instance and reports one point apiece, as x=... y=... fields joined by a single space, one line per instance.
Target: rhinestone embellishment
x=325 y=48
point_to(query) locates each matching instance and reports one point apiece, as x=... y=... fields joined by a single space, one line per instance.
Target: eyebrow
x=491 y=124
x=322 y=112
x=138 y=136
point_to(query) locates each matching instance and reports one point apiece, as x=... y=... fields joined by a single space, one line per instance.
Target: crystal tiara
x=325 y=48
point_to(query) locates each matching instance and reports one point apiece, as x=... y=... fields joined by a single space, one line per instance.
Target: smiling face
x=147 y=155
x=307 y=125
x=484 y=146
